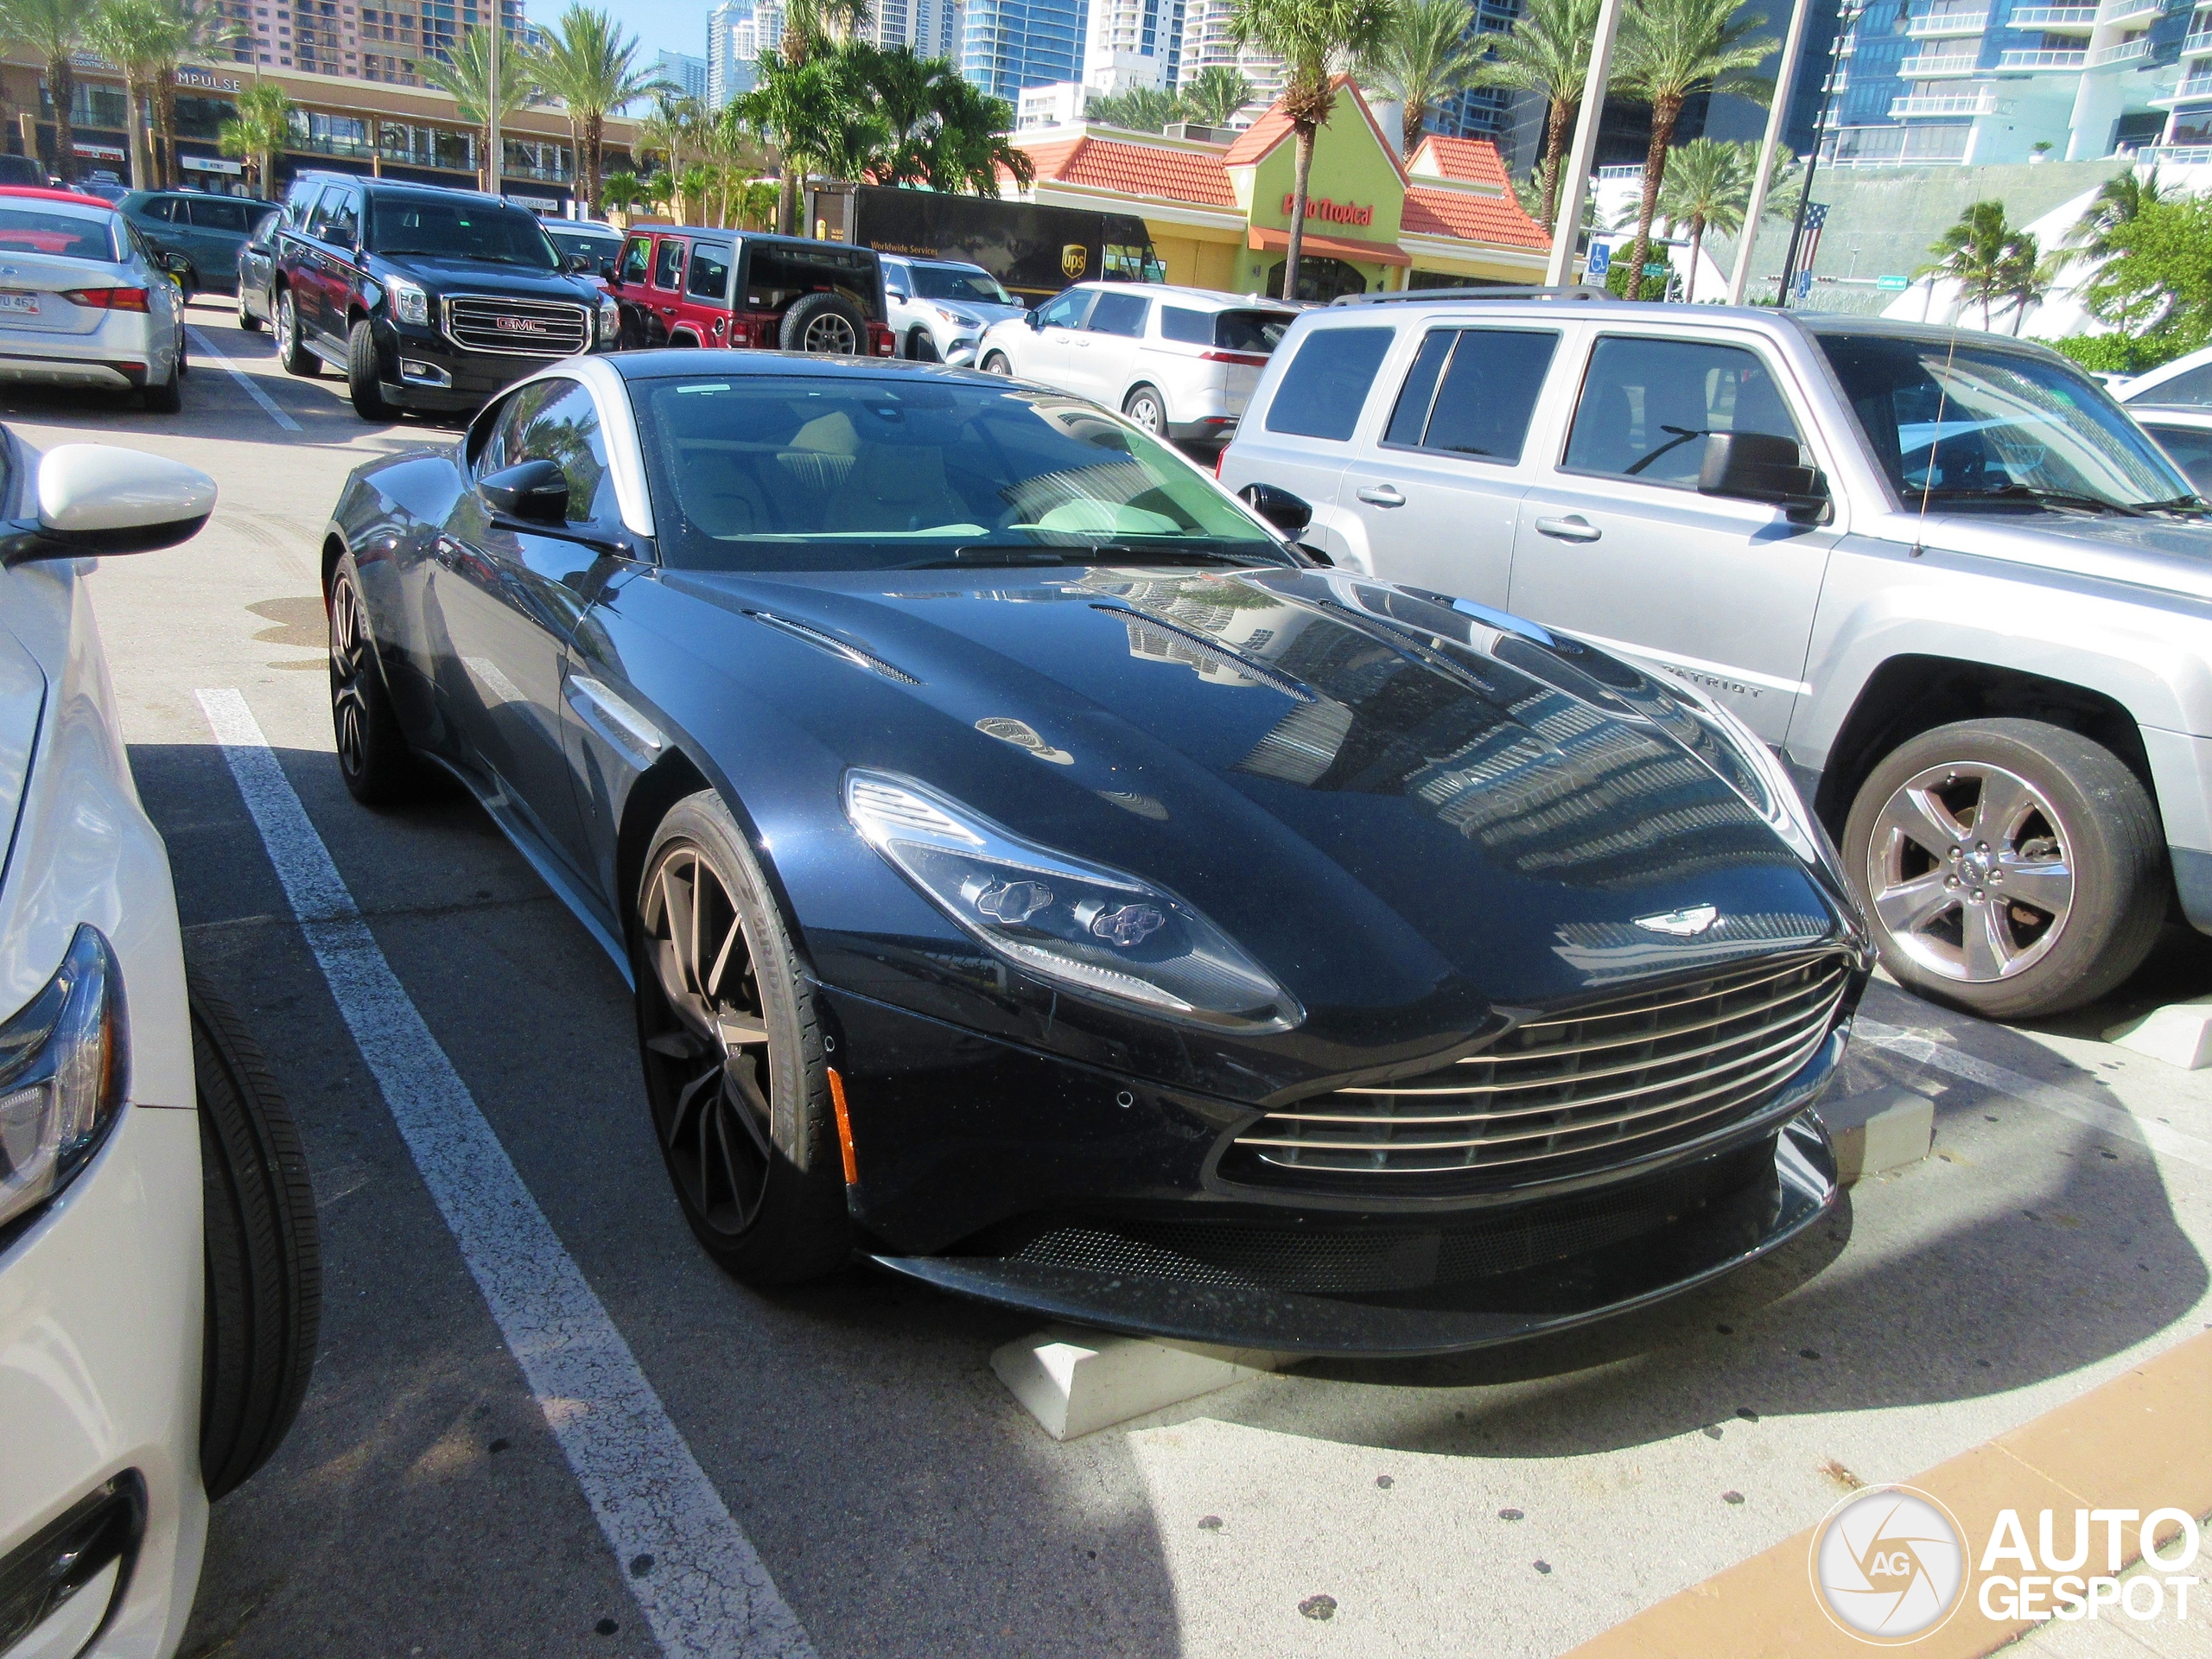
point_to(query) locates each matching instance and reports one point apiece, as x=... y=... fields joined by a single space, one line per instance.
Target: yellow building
x=1219 y=214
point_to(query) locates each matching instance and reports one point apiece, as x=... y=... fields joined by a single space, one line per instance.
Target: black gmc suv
x=425 y=299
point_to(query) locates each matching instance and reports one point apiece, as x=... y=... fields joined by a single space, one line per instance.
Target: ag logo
x=1682 y=924
x=1075 y=259
x=1888 y=1565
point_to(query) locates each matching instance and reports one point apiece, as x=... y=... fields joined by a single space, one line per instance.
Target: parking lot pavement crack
x=709 y=1595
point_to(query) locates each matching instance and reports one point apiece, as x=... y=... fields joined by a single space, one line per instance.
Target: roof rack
x=1421 y=296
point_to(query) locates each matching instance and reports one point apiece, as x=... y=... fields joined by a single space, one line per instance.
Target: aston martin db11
x=1040 y=875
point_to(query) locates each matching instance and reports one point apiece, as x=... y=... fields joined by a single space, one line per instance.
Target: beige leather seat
x=895 y=487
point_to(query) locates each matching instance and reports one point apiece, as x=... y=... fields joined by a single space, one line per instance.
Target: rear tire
x=2009 y=868
x=247 y=320
x=730 y=1031
x=373 y=756
x=168 y=398
x=362 y=374
x=264 y=1257
x=291 y=351
x=1149 y=410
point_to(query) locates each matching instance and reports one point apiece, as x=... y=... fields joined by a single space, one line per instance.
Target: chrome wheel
x=1144 y=410
x=831 y=333
x=287 y=325
x=710 y=1055
x=349 y=667
x=1970 y=872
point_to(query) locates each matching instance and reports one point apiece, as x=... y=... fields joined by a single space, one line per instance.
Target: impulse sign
x=1336 y=212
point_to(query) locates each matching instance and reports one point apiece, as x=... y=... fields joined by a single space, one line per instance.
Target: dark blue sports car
x=1041 y=876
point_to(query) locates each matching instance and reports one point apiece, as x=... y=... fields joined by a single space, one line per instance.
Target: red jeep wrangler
x=681 y=285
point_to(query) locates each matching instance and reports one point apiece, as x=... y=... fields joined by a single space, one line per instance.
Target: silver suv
x=1941 y=572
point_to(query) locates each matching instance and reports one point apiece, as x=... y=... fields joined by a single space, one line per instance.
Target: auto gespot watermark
x=1890 y=1565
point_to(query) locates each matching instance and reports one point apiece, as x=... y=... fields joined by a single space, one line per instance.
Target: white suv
x=159 y=1279
x=939 y=308
x=1178 y=361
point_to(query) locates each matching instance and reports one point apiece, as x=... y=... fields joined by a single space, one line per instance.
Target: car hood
x=510 y=280
x=2172 y=554
x=986 y=314
x=1388 y=799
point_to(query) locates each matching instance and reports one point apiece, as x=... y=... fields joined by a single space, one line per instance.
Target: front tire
x=2010 y=867
x=1149 y=410
x=291 y=351
x=731 y=1036
x=921 y=345
x=264 y=1255
x=996 y=363
x=362 y=374
x=373 y=757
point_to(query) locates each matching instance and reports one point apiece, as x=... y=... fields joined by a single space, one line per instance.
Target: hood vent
x=830 y=642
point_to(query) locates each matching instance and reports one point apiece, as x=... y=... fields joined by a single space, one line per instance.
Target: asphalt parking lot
x=898 y=1501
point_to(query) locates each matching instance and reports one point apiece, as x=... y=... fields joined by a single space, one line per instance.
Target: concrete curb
x=1878 y=1131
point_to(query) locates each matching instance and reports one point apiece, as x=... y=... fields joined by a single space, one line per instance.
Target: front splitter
x=1721 y=1236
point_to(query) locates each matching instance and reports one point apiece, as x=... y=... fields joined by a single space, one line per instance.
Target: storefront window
x=89 y=105
x=1317 y=279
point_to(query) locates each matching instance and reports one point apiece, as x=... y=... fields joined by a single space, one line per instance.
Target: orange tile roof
x=1252 y=144
x=1140 y=169
x=1464 y=161
x=1471 y=218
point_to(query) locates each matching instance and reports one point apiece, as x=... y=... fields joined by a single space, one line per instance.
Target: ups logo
x=1075 y=259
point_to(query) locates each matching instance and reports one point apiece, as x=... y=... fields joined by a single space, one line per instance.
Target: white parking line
x=704 y=1590
x=199 y=344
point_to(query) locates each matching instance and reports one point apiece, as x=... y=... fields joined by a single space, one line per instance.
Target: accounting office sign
x=1892 y=1564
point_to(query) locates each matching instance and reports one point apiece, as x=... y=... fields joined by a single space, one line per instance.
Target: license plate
x=20 y=304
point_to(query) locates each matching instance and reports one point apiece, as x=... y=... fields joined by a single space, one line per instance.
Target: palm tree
x=671 y=130
x=695 y=184
x=618 y=192
x=1669 y=51
x=52 y=31
x=2028 y=274
x=257 y=133
x=968 y=145
x=1215 y=94
x=812 y=26
x=791 y=106
x=1547 y=53
x=467 y=81
x=1141 y=109
x=1708 y=185
x=201 y=29
x=1978 y=253
x=587 y=65
x=139 y=37
x=2118 y=199
x=1424 y=57
x=1311 y=38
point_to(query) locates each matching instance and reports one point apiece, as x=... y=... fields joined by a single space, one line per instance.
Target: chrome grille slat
x=533 y=327
x=1678 y=1066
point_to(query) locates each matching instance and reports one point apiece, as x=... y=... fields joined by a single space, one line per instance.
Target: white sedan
x=159 y=1279
x=84 y=301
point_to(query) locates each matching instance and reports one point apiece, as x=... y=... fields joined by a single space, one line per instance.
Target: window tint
x=503 y=443
x=2191 y=449
x=634 y=259
x=325 y=210
x=562 y=426
x=1648 y=404
x=161 y=207
x=1488 y=395
x=2192 y=387
x=776 y=276
x=301 y=203
x=264 y=228
x=457 y=226
x=1409 y=418
x=1066 y=311
x=1119 y=314
x=345 y=218
x=70 y=236
x=1177 y=323
x=1321 y=393
x=710 y=274
x=216 y=213
x=668 y=264
x=895 y=282
x=1251 y=331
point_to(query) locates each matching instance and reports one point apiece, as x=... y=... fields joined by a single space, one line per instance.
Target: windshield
x=591 y=245
x=460 y=229
x=66 y=236
x=1967 y=425
x=859 y=473
x=956 y=282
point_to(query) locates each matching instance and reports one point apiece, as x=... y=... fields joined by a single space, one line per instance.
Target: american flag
x=1816 y=216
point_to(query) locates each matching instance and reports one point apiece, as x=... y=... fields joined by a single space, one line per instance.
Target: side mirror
x=1761 y=467
x=95 y=498
x=607 y=271
x=575 y=265
x=175 y=264
x=1286 y=512
x=1032 y=319
x=535 y=491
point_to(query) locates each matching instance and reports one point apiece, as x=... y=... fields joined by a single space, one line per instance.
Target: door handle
x=1572 y=528
x=1382 y=495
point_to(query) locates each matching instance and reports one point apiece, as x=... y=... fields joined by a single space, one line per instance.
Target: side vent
x=830 y=642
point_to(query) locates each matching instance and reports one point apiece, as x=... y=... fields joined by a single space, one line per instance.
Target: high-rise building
x=1005 y=45
x=683 y=72
x=1493 y=112
x=930 y=28
x=738 y=32
x=387 y=41
x=1207 y=43
x=2004 y=81
x=1133 y=43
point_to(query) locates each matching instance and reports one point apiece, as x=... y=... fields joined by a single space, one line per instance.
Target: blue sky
x=660 y=25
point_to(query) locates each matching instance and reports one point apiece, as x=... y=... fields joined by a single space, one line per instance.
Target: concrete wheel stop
x=1881 y=1130
x=2180 y=1033
x=1077 y=1381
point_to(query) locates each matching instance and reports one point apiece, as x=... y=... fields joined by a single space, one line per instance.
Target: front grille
x=517 y=327
x=1626 y=1077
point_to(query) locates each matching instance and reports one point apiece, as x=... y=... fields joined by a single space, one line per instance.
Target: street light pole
x=1566 y=229
x=492 y=113
x=1778 y=118
x=1845 y=24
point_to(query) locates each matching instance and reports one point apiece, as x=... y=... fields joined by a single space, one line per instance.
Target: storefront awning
x=1261 y=240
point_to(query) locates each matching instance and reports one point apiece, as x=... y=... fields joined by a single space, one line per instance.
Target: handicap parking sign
x=1601 y=259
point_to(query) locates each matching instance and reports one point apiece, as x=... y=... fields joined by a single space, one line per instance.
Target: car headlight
x=958 y=319
x=409 y=303
x=1080 y=924
x=1755 y=773
x=64 y=1073
x=610 y=319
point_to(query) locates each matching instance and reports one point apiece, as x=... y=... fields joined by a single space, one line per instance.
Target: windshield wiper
x=2177 y=504
x=1094 y=553
x=2042 y=497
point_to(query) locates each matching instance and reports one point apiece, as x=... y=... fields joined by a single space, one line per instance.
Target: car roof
x=65 y=198
x=672 y=362
x=1212 y=296
x=2150 y=380
x=2192 y=415
x=726 y=233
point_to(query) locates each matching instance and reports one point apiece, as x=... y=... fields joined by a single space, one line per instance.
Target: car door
x=1303 y=437
x=1615 y=541
x=703 y=316
x=509 y=597
x=219 y=226
x=1044 y=354
x=320 y=264
x=256 y=258
x=629 y=284
x=1438 y=486
x=665 y=291
x=1103 y=356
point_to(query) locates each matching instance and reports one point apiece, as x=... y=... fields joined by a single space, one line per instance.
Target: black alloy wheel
x=373 y=758
x=734 y=1056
